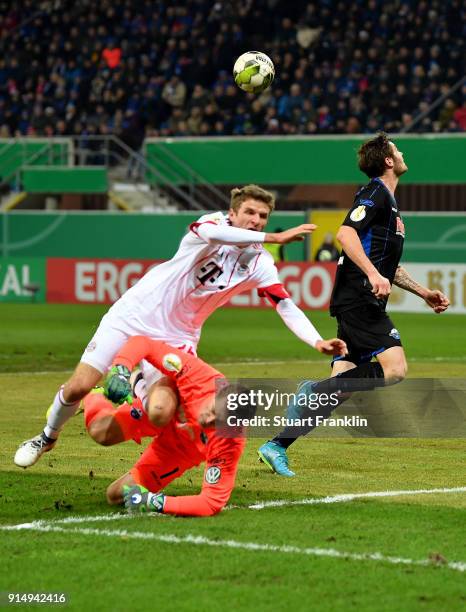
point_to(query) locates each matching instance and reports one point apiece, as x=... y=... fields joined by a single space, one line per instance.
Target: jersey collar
x=380 y=182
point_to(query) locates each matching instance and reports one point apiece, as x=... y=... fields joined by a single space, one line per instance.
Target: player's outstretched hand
x=437 y=301
x=294 y=234
x=117 y=386
x=334 y=346
x=380 y=285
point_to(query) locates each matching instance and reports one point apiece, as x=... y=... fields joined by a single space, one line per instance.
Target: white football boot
x=30 y=451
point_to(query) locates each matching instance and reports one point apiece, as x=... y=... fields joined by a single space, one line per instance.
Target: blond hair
x=251 y=192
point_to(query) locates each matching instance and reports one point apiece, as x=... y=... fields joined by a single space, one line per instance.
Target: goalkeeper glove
x=139 y=500
x=116 y=385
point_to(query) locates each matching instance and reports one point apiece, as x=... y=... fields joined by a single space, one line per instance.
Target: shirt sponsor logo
x=212 y=475
x=358 y=214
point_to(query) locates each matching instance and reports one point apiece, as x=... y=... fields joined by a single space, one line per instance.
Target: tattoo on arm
x=405 y=281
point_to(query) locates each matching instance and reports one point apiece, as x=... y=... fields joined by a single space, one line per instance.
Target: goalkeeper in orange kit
x=188 y=439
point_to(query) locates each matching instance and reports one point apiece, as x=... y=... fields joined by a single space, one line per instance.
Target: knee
x=396 y=373
x=101 y=431
x=162 y=403
x=159 y=416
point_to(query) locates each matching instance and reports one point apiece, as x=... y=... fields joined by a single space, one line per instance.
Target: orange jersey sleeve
x=172 y=361
x=222 y=459
x=154 y=351
x=195 y=379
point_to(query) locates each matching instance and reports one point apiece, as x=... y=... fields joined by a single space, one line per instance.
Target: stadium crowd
x=139 y=68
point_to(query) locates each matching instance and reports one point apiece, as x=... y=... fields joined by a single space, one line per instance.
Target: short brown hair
x=251 y=192
x=372 y=154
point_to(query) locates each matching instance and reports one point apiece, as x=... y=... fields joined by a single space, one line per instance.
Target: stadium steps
x=130 y=194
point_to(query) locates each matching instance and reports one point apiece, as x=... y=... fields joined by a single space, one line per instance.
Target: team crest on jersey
x=395 y=334
x=212 y=475
x=217 y=217
x=358 y=214
x=172 y=362
x=136 y=413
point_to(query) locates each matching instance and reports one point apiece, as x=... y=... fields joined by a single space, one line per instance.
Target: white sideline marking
x=330 y=499
x=251 y=546
x=345 y=497
x=73 y=520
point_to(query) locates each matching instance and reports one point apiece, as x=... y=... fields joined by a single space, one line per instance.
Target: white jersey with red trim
x=173 y=299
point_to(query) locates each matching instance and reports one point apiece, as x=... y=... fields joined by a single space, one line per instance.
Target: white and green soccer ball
x=253 y=72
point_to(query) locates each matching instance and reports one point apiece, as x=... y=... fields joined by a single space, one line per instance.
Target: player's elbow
x=213 y=507
x=343 y=234
x=212 y=510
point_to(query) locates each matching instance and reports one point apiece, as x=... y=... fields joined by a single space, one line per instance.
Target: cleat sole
x=262 y=459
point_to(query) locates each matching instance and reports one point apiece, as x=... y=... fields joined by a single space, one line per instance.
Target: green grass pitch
x=372 y=553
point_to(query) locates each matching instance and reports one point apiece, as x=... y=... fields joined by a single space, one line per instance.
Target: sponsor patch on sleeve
x=212 y=475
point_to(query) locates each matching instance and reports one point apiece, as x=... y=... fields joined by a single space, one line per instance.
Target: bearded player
x=372 y=237
x=220 y=256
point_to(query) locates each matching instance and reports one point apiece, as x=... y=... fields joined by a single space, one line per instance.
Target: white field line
x=343 y=497
x=347 y=497
x=249 y=362
x=197 y=540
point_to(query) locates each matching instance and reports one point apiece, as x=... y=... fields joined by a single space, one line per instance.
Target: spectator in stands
x=327 y=250
x=340 y=67
x=112 y=55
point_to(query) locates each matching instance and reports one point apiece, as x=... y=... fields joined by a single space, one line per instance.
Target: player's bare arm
x=351 y=244
x=433 y=297
x=294 y=234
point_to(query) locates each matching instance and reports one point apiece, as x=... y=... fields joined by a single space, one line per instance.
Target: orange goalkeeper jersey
x=179 y=448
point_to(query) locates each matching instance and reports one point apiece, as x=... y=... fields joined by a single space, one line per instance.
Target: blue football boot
x=274 y=455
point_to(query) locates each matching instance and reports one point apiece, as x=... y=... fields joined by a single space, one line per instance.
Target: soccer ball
x=253 y=72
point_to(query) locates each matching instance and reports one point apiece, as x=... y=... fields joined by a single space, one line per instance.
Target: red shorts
x=133 y=421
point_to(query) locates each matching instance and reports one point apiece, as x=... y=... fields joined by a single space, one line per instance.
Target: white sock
x=140 y=390
x=61 y=412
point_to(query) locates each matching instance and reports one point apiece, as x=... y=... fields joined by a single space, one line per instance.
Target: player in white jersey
x=219 y=257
